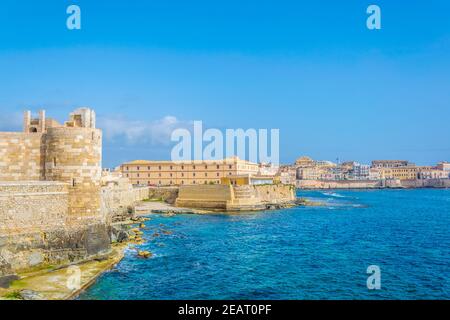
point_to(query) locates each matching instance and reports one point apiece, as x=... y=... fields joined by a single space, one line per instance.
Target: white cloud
x=155 y=132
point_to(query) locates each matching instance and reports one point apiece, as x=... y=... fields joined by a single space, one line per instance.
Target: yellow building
x=401 y=173
x=143 y=172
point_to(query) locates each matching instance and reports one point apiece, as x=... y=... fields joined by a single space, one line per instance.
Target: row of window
x=171 y=167
x=182 y=182
x=171 y=175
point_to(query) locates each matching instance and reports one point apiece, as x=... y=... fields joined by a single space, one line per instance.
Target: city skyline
x=335 y=90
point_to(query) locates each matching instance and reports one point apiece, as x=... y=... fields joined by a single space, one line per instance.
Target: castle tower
x=73 y=155
x=33 y=125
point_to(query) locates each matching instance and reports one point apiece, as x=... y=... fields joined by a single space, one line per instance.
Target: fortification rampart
x=32 y=206
x=117 y=201
x=425 y=183
x=50 y=192
x=234 y=198
x=73 y=155
x=338 y=184
x=204 y=196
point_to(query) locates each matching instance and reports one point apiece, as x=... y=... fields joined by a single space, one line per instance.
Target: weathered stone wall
x=32 y=206
x=276 y=193
x=374 y=184
x=204 y=196
x=346 y=184
x=426 y=183
x=59 y=219
x=167 y=194
x=54 y=246
x=21 y=156
x=34 y=229
x=73 y=155
x=117 y=200
x=227 y=197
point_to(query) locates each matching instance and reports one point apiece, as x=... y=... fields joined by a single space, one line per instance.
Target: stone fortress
x=54 y=207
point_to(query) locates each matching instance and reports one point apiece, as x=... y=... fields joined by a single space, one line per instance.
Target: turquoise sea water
x=298 y=253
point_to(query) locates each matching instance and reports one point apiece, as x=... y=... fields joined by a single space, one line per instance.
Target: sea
x=368 y=244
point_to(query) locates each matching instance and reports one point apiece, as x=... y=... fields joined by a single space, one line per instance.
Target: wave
x=333 y=194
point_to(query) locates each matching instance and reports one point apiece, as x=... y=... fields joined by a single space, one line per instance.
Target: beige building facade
x=166 y=173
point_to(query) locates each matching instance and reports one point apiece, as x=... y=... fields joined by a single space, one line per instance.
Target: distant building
x=287 y=174
x=400 y=173
x=360 y=171
x=432 y=173
x=143 y=172
x=444 y=166
x=390 y=163
x=374 y=174
x=304 y=162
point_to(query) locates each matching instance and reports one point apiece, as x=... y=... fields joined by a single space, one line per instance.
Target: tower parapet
x=73 y=155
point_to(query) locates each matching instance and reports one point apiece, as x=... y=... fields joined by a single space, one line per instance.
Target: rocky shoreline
x=51 y=283
x=66 y=282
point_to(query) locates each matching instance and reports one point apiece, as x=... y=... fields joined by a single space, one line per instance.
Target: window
x=54 y=162
x=182 y=174
x=182 y=167
x=159 y=167
x=206 y=174
x=193 y=174
x=138 y=182
x=138 y=167
x=206 y=167
x=128 y=168
x=217 y=174
x=218 y=167
x=171 y=167
x=171 y=175
x=182 y=181
x=193 y=167
x=159 y=174
x=138 y=175
x=230 y=166
x=193 y=182
x=148 y=168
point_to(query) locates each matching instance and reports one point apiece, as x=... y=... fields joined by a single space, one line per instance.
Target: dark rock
x=122 y=236
x=5 y=281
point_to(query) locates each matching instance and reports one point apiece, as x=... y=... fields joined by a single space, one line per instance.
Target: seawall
x=338 y=184
x=373 y=184
x=37 y=231
x=235 y=198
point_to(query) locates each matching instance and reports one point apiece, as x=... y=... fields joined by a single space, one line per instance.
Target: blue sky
x=310 y=68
